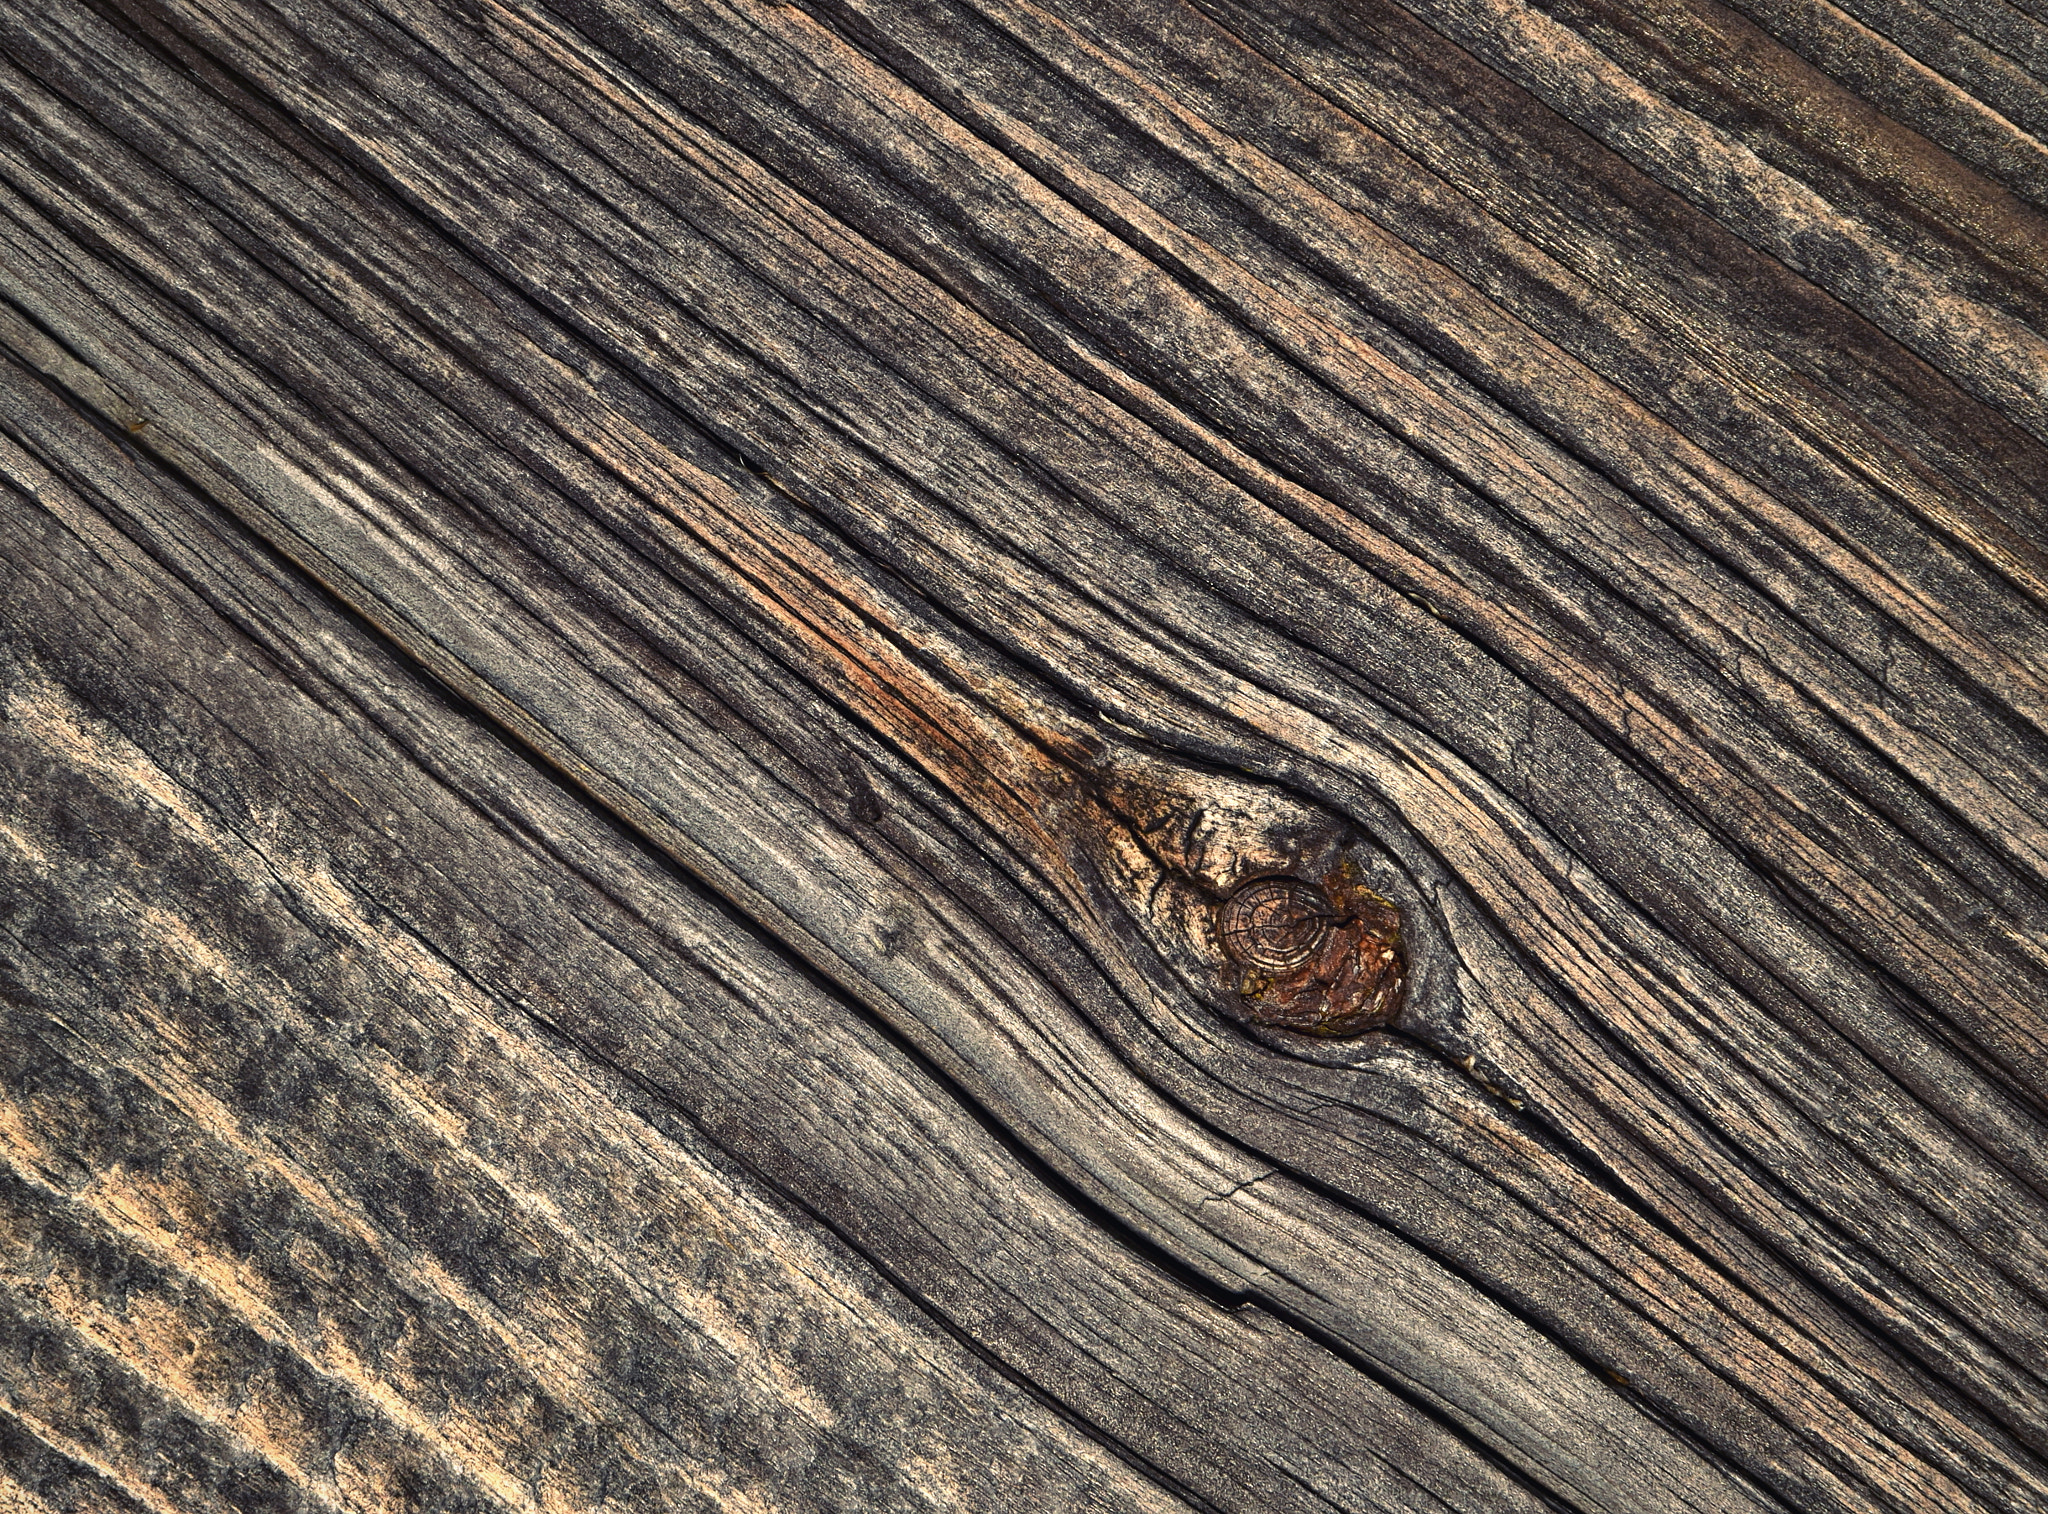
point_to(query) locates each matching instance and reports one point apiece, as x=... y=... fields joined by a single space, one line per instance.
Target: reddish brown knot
x=1322 y=958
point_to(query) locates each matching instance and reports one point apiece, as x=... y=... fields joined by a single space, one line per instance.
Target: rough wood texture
x=642 y=640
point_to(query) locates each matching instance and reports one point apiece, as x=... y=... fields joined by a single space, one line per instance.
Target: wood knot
x=1276 y=923
x=1325 y=958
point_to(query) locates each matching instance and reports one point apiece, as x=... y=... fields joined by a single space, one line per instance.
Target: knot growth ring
x=1326 y=959
x=1276 y=924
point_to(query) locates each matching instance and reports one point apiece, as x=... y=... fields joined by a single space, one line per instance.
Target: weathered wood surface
x=640 y=640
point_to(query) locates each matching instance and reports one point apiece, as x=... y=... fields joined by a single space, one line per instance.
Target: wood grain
x=970 y=484
x=370 y=1123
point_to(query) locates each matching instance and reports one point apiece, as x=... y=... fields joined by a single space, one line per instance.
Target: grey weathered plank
x=1676 y=635
x=976 y=1004
x=346 y=1050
